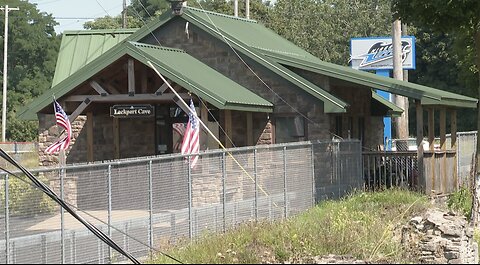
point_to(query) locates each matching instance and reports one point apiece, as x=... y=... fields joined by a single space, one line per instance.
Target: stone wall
x=440 y=238
x=48 y=133
x=220 y=57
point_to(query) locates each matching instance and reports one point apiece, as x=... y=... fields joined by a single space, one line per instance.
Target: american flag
x=191 y=141
x=64 y=122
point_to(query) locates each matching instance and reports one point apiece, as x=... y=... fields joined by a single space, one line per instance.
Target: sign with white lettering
x=376 y=53
x=131 y=111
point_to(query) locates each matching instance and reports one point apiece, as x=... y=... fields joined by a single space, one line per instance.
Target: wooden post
x=116 y=138
x=431 y=142
x=250 y=129
x=131 y=77
x=453 y=128
x=228 y=129
x=144 y=81
x=89 y=136
x=443 y=147
x=204 y=118
x=419 y=112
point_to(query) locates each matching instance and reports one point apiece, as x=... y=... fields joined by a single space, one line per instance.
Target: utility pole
x=247 y=9
x=124 y=14
x=402 y=102
x=6 y=9
x=235 y=8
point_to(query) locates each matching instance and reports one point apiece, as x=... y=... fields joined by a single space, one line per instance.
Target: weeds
x=361 y=225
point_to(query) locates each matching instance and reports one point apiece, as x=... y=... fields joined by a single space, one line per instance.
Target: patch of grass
x=362 y=225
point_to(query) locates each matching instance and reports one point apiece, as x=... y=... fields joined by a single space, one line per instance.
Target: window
x=289 y=129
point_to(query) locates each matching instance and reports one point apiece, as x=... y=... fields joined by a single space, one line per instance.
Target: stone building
x=258 y=86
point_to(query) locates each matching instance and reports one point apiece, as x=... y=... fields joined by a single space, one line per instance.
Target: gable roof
x=274 y=52
x=80 y=47
x=268 y=40
x=175 y=65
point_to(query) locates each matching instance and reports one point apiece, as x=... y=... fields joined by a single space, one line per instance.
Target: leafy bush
x=461 y=201
x=25 y=199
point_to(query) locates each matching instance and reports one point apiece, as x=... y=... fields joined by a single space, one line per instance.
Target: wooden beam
x=161 y=89
x=89 y=136
x=131 y=77
x=453 y=146
x=443 y=129
x=228 y=129
x=126 y=98
x=419 y=113
x=453 y=127
x=250 y=129
x=112 y=89
x=144 y=81
x=98 y=88
x=203 y=133
x=431 y=143
x=116 y=138
x=431 y=128
x=80 y=109
x=443 y=147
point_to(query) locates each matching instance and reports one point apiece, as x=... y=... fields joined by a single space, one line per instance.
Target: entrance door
x=170 y=125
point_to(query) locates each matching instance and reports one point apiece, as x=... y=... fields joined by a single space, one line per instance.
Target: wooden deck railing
x=385 y=169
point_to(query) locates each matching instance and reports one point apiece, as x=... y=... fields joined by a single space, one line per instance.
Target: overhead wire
x=96 y=218
x=49 y=192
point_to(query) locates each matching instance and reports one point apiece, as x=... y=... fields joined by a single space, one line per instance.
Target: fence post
x=109 y=186
x=189 y=175
x=285 y=181
x=44 y=249
x=224 y=175
x=150 y=205
x=62 y=215
x=7 y=223
x=313 y=174
x=255 y=182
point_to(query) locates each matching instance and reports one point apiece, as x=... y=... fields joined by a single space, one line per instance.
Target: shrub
x=461 y=201
x=25 y=199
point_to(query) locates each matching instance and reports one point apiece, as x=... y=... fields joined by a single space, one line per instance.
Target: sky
x=71 y=14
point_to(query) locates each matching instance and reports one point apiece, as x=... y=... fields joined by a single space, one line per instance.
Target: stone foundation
x=440 y=237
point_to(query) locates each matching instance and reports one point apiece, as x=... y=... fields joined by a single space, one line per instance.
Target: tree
x=32 y=54
x=458 y=17
x=324 y=28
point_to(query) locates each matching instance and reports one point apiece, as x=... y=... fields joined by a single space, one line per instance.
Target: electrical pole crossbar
x=6 y=9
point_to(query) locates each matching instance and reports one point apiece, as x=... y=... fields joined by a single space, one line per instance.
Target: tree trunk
x=476 y=175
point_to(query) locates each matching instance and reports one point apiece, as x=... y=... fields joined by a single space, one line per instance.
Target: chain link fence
x=145 y=203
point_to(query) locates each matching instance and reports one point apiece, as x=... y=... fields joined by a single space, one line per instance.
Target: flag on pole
x=191 y=141
x=62 y=121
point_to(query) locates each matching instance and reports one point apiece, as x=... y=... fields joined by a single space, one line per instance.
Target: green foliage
x=361 y=225
x=32 y=54
x=24 y=199
x=324 y=28
x=461 y=201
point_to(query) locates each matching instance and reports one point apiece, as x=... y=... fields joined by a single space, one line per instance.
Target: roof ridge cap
x=222 y=15
x=140 y=44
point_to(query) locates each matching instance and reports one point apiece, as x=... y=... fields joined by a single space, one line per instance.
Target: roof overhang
x=427 y=95
x=205 y=82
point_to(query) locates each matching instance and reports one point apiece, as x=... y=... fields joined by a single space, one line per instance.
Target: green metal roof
x=218 y=24
x=392 y=109
x=175 y=65
x=273 y=51
x=427 y=95
x=200 y=79
x=78 y=48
